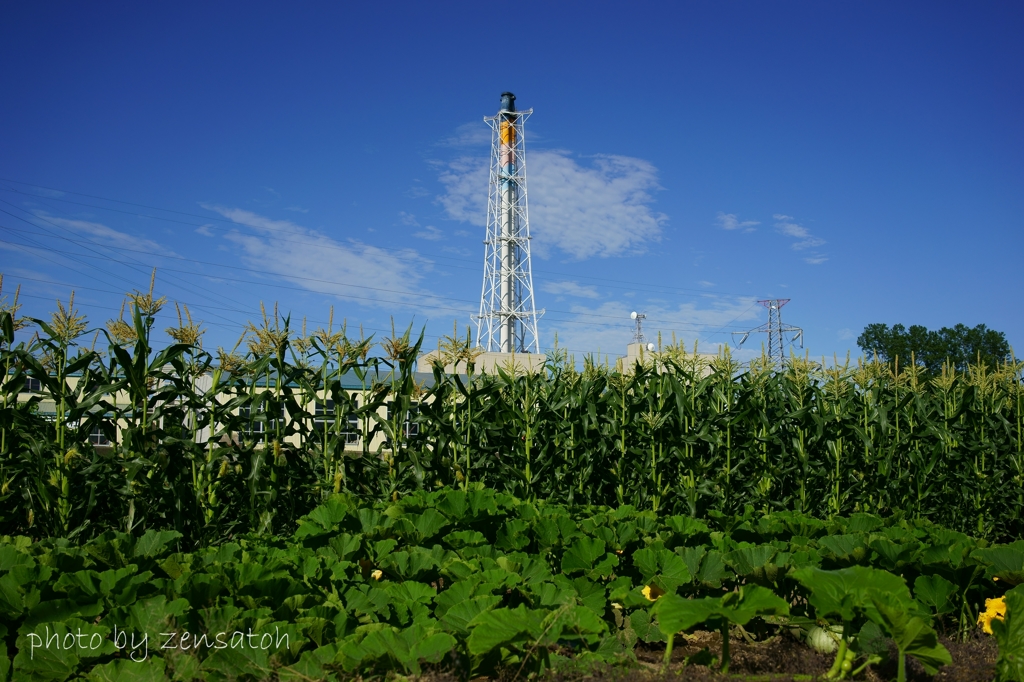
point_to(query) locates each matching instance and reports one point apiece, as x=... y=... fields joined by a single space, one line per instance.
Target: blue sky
x=865 y=160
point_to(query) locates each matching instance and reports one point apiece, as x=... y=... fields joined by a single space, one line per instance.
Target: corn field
x=120 y=435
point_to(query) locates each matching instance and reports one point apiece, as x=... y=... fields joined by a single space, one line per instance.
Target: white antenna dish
x=632 y=315
x=650 y=347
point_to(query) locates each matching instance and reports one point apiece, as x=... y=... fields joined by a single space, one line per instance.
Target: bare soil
x=778 y=659
x=783 y=658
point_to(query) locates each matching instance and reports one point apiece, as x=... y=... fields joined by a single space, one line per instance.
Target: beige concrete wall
x=636 y=352
x=488 y=363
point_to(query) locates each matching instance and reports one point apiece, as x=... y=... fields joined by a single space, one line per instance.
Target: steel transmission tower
x=775 y=330
x=508 y=316
x=638 y=332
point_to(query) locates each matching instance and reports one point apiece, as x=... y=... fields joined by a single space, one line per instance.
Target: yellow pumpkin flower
x=652 y=592
x=377 y=575
x=995 y=609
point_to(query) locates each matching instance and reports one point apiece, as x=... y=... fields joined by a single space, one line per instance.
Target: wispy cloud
x=429 y=233
x=348 y=270
x=729 y=221
x=785 y=225
x=474 y=134
x=297 y=209
x=569 y=289
x=602 y=208
x=103 y=235
x=465 y=197
x=593 y=328
x=44 y=192
x=205 y=230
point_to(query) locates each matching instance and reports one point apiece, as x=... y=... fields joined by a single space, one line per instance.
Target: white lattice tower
x=774 y=327
x=508 y=315
x=775 y=330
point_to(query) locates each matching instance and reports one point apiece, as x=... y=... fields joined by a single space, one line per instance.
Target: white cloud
x=845 y=334
x=729 y=221
x=349 y=270
x=205 y=230
x=569 y=289
x=788 y=228
x=785 y=225
x=601 y=209
x=101 y=234
x=704 y=283
x=608 y=327
x=465 y=198
x=55 y=193
x=468 y=135
x=429 y=233
x=808 y=244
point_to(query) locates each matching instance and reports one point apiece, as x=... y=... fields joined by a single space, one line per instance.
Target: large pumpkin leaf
x=457 y=618
x=911 y=634
x=936 y=592
x=1005 y=562
x=674 y=613
x=844 y=592
x=1009 y=633
x=149 y=670
x=662 y=567
x=502 y=627
x=582 y=555
x=746 y=559
x=154 y=543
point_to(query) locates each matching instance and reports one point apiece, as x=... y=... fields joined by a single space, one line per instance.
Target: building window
x=97 y=437
x=33 y=385
x=252 y=427
x=322 y=414
x=411 y=427
x=323 y=420
x=353 y=432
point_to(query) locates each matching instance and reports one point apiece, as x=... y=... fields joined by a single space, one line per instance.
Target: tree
x=960 y=345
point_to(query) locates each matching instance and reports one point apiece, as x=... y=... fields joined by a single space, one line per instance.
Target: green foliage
x=486 y=522
x=734 y=608
x=211 y=447
x=860 y=594
x=912 y=635
x=959 y=346
x=434 y=580
x=1009 y=632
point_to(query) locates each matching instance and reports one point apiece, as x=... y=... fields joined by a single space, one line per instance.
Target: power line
x=346 y=295
x=58 y=226
x=280 y=230
x=236 y=324
x=238 y=267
